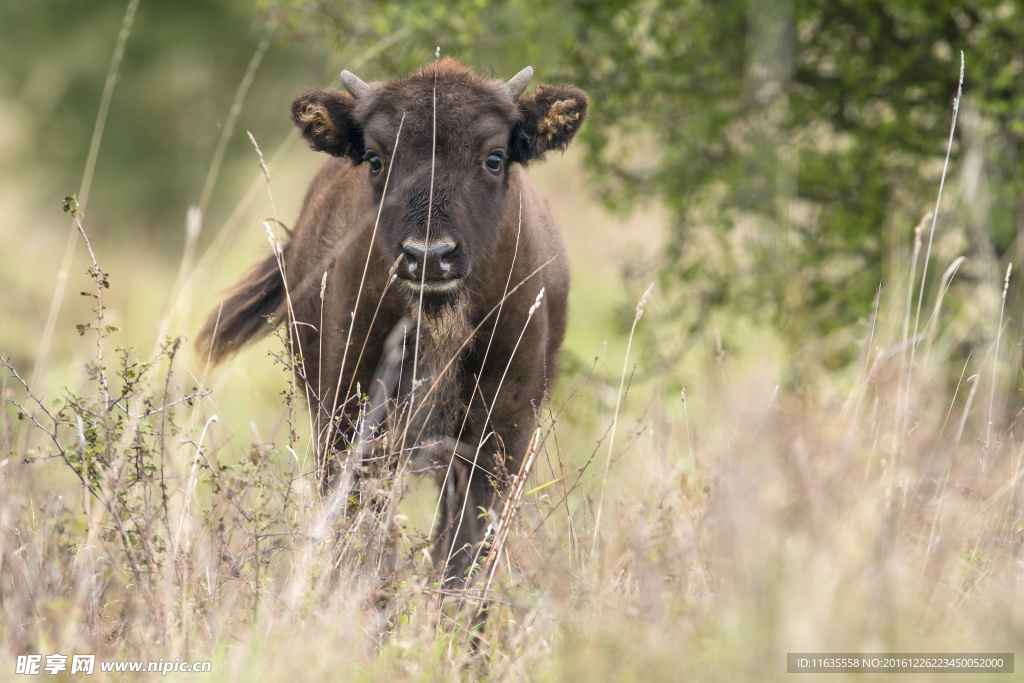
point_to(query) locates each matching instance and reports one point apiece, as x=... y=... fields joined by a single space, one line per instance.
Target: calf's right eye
x=376 y=165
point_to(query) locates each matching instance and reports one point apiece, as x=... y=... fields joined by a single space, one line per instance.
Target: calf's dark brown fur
x=426 y=223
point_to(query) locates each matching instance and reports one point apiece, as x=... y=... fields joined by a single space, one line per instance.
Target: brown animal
x=436 y=246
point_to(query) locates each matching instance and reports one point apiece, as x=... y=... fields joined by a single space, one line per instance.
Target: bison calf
x=436 y=247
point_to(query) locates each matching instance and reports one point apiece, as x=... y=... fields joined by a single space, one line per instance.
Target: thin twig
x=615 y=418
x=931 y=238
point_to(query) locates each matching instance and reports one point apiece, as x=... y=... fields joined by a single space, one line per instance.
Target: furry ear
x=325 y=121
x=551 y=117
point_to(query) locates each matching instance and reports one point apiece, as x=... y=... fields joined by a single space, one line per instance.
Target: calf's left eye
x=493 y=163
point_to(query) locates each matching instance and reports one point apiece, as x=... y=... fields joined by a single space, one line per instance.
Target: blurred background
x=765 y=160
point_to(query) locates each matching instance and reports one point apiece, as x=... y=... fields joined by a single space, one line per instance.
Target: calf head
x=437 y=148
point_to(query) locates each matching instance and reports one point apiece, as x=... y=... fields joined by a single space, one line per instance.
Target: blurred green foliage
x=176 y=82
x=787 y=139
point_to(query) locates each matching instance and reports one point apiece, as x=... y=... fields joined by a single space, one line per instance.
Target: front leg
x=463 y=522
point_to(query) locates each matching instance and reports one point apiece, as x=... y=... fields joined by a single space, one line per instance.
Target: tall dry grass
x=740 y=524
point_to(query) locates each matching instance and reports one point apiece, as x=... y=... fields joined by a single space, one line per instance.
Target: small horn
x=354 y=84
x=517 y=84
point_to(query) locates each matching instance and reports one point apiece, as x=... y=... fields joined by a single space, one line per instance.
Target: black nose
x=436 y=259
